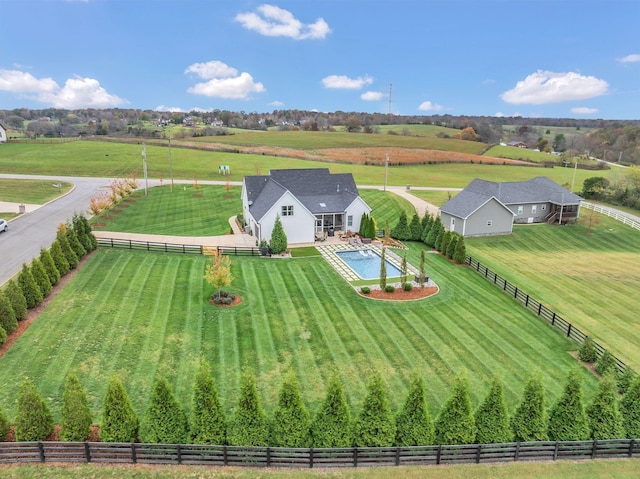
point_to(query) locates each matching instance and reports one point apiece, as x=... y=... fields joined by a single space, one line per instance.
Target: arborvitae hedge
x=16 y=298
x=588 y=352
x=208 y=421
x=34 y=421
x=278 y=241
x=3 y=336
x=59 y=259
x=460 y=254
x=67 y=250
x=446 y=238
x=451 y=247
x=375 y=426
x=76 y=416
x=414 y=424
x=29 y=287
x=41 y=278
x=415 y=228
x=119 y=421
x=291 y=420
x=439 y=239
x=164 y=420
x=434 y=231
x=606 y=363
x=426 y=223
x=49 y=266
x=567 y=419
x=8 y=320
x=331 y=426
x=529 y=422
x=605 y=420
x=401 y=231
x=630 y=409
x=492 y=419
x=248 y=426
x=370 y=232
x=455 y=423
x=625 y=378
x=4 y=425
x=75 y=243
x=83 y=230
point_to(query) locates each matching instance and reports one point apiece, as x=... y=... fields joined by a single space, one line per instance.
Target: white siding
x=299 y=228
x=355 y=209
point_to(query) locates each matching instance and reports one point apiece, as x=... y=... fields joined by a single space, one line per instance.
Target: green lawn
x=138 y=314
x=386 y=206
x=185 y=211
x=590 y=276
x=35 y=192
x=437 y=198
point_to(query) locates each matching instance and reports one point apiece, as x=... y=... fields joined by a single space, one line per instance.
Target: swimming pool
x=366 y=263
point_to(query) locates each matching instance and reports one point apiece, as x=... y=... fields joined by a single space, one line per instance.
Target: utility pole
x=170 y=165
x=386 y=167
x=144 y=169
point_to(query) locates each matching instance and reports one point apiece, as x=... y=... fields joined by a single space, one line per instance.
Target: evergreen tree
x=248 y=426
x=83 y=232
x=625 y=378
x=375 y=426
x=401 y=231
x=75 y=243
x=434 y=231
x=29 y=288
x=414 y=425
x=16 y=298
x=492 y=420
x=460 y=254
x=439 y=239
x=208 y=422
x=529 y=422
x=383 y=269
x=278 y=241
x=451 y=247
x=567 y=418
x=605 y=420
x=67 y=250
x=59 y=259
x=606 y=363
x=49 y=266
x=630 y=409
x=34 y=421
x=76 y=416
x=164 y=420
x=426 y=226
x=403 y=270
x=41 y=278
x=8 y=320
x=371 y=228
x=446 y=238
x=415 y=228
x=422 y=270
x=364 y=219
x=331 y=426
x=291 y=420
x=119 y=421
x=455 y=423
x=588 y=352
x=4 y=425
x=3 y=336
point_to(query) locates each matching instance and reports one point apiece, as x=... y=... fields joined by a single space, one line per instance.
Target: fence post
x=553 y=319
x=517 y=454
x=515 y=292
x=355 y=456
x=179 y=454
x=478 y=452
x=41 y=451
x=225 y=459
x=555 y=451
x=87 y=451
x=569 y=330
x=593 y=448
x=631 y=446
x=526 y=302
x=268 y=456
x=539 y=308
x=397 y=455
x=134 y=458
x=438 y=454
x=311 y=458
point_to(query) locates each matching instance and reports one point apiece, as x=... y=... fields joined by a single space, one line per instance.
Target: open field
x=138 y=314
x=499 y=151
x=35 y=192
x=185 y=211
x=116 y=160
x=590 y=276
x=619 y=469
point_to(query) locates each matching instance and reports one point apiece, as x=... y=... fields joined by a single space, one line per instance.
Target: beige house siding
x=492 y=218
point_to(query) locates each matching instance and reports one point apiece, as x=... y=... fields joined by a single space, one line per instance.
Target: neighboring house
x=517 y=144
x=491 y=208
x=309 y=202
x=3 y=133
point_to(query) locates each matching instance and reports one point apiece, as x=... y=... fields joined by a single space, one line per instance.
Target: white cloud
x=276 y=103
x=177 y=109
x=429 y=106
x=346 y=83
x=584 y=110
x=633 y=58
x=549 y=87
x=223 y=81
x=488 y=81
x=373 y=95
x=273 y=21
x=77 y=92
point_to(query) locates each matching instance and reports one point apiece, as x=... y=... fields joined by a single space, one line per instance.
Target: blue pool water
x=366 y=263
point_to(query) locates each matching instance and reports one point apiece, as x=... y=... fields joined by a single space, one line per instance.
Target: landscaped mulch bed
x=401 y=295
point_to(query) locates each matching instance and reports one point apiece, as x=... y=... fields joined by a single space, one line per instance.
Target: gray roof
x=536 y=190
x=313 y=187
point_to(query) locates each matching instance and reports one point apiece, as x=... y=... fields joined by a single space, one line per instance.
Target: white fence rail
x=612 y=214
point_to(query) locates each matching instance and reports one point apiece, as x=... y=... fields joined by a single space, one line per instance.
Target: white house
x=3 y=133
x=308 y=201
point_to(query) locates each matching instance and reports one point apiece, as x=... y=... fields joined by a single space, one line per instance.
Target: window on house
x=544 y=207
x=520 y=210
x=534 y=209
x=287 y=210
x=350 y=220
x=489 y=222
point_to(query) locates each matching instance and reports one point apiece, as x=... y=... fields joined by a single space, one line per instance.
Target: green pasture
x=139 y=314
x=590 y=275
x=185 y=210
x=35 y=192
x=118 y=160
x=435 y=197
x=567 y=131
x=386 y=206
x=586 y=469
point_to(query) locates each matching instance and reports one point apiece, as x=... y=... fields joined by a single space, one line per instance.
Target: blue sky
x=532 y=58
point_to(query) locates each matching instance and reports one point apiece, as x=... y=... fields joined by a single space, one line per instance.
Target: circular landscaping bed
x=400 y=294
x=225 y=299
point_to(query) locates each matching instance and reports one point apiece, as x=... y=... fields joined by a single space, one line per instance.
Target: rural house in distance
x=310 y=202
x=491 y=208
x=3 y=134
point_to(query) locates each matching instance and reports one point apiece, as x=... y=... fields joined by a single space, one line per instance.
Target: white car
x=4 y=226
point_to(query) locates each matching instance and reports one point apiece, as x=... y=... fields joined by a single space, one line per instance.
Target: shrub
x=278 y=241
x=365 y=290
x=4 y=425
x=331 y=426
x=455 y=423
x=164 y=420
x=414 y=425
x=41 y=278
x=407 y=286
x=625 y=379
x=49 y=266
x=401 y=231
x=34 y=421
x=375 y=426
x=8 y=320
x=492 y=420
x=567 y=418
x=605 y=420
x=76 y=416
x=208 y=421
x=67 y=250
x=119 y=421
x=415 y=228
x=389 y=288
x=460 y=254
x=529 y=422
x=29 y=287
x=606 y=363
x=59 y=259
x=3 y=336
x=17 y=300
x=630 y=409
x=434 y=231
x=451 y=247
x=588 y=352
x=291 y=420
x=249 y=424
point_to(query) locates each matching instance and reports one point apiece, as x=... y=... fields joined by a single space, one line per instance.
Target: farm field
x=138 y=314
x=185 y=211
x=118 y=160
x=590 y=276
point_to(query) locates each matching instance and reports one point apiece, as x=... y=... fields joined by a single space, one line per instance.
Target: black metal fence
x=136 y=453
x=537 y=307
x=176 y=248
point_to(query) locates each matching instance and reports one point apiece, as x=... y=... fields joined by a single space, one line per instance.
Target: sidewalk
x=8 y=207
